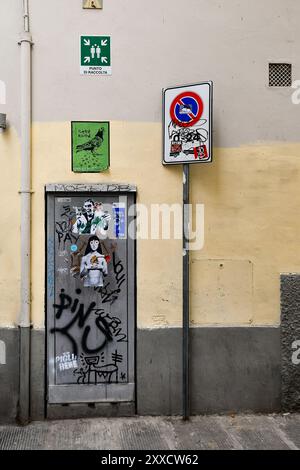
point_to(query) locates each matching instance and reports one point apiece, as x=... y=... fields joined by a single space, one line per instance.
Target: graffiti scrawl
x=92 y=371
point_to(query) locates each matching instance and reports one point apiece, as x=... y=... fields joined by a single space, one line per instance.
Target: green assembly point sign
x=95 y=57
x=90 y=146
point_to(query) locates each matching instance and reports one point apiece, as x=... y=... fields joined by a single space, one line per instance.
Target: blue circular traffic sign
x=186 y=109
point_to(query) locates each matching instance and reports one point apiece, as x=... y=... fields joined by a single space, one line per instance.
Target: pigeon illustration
x=93 y=144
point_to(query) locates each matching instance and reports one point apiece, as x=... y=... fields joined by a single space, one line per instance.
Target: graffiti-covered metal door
x=90 y=294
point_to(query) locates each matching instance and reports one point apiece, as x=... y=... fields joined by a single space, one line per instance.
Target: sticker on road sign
x=95 y=56
x=188 y=124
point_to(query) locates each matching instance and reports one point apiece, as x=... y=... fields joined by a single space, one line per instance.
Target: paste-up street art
x=119 y=219
x=93 y=264
x=85 y=245
x=90 y=140
x=91 y=218
x=51 y=267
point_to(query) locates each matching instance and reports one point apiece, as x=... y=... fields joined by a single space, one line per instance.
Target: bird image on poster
x=93 y=144
x=90 y=146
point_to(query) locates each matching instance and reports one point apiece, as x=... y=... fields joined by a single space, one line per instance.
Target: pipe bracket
x=26 y=37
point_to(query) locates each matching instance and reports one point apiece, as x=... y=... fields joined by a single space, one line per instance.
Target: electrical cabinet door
x=90 y=297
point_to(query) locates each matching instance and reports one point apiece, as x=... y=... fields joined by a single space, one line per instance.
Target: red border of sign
x=197 y=117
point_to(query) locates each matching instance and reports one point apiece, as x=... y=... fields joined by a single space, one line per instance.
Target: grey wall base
x=9 y=375
x=231 y=370
x=37 y=375
x=84 y=410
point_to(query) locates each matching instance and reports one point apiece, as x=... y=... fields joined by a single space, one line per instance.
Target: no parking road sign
x=187 y=124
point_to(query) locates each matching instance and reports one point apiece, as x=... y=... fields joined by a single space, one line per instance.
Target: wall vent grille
x=280 y=74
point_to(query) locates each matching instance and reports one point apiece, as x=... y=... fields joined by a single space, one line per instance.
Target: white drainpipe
x=25 y=194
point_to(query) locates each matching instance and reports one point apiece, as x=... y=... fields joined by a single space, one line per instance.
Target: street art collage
x=88 y=285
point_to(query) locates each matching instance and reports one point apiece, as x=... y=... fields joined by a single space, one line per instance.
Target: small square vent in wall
x=280 y=74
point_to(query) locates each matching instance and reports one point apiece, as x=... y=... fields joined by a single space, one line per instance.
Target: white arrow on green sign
x=95 y=57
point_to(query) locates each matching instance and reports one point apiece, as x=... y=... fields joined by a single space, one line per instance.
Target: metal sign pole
x=186 y=292
x=187 y=118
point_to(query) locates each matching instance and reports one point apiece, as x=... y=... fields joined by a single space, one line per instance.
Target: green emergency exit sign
x=95 y=56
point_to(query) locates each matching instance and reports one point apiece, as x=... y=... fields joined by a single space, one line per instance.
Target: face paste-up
x=91 y=219
x=93 y=265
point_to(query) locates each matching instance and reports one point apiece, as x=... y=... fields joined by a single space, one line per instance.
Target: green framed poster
x=90 y=146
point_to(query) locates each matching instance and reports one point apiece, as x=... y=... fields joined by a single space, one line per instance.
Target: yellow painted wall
x=10 y=227
x=251 y=197
x=135 y=158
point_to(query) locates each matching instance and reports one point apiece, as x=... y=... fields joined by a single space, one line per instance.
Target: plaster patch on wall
x=222 y=291
x=2 y=353
x=159 y=320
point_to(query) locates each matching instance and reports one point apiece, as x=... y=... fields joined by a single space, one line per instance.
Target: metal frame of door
x=112 y=393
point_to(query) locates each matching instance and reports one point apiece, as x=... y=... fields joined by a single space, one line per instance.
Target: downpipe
x=24 y=323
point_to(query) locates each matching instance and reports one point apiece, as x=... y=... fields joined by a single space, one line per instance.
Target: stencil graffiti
x=90 y=372
x=66 y=361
